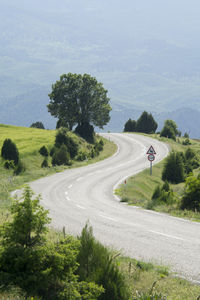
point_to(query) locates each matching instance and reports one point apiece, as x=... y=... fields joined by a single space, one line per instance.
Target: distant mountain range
x=145 y=55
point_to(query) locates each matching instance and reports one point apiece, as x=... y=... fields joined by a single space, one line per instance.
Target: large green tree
x=79 y=99
x=146 y=123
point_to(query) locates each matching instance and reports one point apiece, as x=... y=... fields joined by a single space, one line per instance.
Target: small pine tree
x=146 y=123
x=9 y=151
x=130 y=126
x=43 y=151
x=44 y=163
x=174 y=168
x=61 y=156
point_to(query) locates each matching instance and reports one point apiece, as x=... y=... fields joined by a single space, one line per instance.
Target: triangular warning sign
x=151 y=150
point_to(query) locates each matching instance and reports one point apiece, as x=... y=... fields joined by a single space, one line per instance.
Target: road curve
x=77 y=195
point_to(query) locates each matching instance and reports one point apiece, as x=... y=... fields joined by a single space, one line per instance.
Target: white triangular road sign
x=151 y=150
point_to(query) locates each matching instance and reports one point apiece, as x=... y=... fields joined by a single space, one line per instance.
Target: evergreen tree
x=146 y=123
x=130 y=126
x=9 y=151
x=174 y=168
x=169 y=130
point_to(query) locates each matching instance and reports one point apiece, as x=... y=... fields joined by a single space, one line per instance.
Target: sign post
x=151 y=156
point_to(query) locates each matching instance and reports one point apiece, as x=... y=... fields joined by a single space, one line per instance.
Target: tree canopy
x=79 y=99
x=169 y=130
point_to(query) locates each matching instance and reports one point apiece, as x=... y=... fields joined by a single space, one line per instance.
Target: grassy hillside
x=139 y=189
x=28 y=142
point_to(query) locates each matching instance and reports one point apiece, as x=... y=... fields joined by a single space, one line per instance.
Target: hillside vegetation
x=28 y=142
x=140 y=188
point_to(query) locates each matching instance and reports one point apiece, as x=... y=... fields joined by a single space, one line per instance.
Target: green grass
x=29 y=141
x=139 y=188
x=141 y=276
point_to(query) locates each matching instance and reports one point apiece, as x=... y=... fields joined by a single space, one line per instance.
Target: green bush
x=41 y=269
x=97 y=264
x=43 y=151
x=63 y=138
x=191 y=195
x=19 y=168
x=173 y=170
x=9 y=164
x=9 y=151
x=163 y=195
x=44 y=163
x=186 y=142
x=61 y=156
x=81 y=156
x=168 y=132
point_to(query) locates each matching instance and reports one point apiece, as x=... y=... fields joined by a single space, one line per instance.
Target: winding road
x=77 y=195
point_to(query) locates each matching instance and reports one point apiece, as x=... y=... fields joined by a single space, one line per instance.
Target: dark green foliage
x=44 y=163
x=186 y=142
x=61 y=156
x=79 y=99
x=98 y=146
x=97 y=264
x=146 y=123
x=186 y=135
x=63 y=138
x=173 y=170
x=169 y=130
x=86 y=131
x=9 y=164
x=191 y=196
x=94 y=153
x=81 y=156
x=43 y=151
x=39 y=269
x=130 y=126
x=52 y=151
x=162 y=195
x=37 y=125
x=191 y=160
x=9 y=151
x=19 y=168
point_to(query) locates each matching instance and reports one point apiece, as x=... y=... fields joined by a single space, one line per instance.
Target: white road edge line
x=80 y=178
x=70 y=186
x=108 y=218
x=66 y=193
x=167 y=235
x=68 y=198
x=79 y=206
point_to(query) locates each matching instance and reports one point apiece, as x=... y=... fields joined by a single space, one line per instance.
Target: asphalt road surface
x=77 y=195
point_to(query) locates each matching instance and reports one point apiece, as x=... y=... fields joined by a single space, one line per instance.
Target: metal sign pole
x=150 y=167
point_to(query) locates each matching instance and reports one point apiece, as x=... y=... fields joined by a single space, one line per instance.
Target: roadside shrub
x=19 y=168
x=186 y=142
x=61 y=156
x=9 y=164
x=81 y=156
x=52 y=151
x=173 y=170
x=98 y=146
x=44 y=163
x=191 y=195
x=168 y=132
x=94 y=152
x=97 y=264
x=63 y=138
x=9 y=151
x=162 y=195
x=43 y=151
